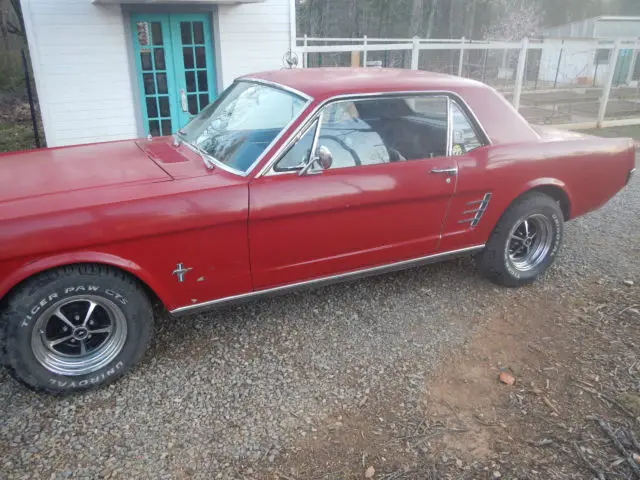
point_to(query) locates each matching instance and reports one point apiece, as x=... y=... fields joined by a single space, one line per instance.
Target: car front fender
x=12 y=273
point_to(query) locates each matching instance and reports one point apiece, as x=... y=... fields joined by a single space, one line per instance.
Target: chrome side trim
x=365 y=272
x=267 y=170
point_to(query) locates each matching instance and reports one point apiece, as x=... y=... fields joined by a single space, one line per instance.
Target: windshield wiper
x=208 y=160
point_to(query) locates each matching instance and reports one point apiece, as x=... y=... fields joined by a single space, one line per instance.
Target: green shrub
x=11 y=72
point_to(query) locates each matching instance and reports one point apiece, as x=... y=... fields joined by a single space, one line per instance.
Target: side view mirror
x=323 y=158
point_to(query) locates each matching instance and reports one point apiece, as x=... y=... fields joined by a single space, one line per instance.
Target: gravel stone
x=227 y=393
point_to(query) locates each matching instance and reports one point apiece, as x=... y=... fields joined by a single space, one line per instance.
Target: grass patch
x=16 y=136
x=632 y=131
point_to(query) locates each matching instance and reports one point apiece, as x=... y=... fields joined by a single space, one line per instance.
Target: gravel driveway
x=227 y=394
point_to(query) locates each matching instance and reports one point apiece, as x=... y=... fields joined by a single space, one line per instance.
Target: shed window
x=602 y=56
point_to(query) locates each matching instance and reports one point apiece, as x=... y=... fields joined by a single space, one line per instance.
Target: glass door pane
x=194 y=63
x=154 y=62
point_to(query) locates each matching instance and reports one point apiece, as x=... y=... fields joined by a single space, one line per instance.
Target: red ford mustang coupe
x=289 y=179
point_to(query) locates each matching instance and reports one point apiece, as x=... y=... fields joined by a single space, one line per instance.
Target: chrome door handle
x=446 y=171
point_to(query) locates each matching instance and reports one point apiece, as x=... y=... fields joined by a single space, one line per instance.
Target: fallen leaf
x=370 y=472
x=507 y=378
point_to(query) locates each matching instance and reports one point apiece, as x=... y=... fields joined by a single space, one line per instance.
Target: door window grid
x=195 y=65
x=154 y=74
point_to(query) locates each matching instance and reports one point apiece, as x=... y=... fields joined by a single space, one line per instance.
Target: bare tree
x=417 y=12
x=433 y=9
x=505 y=19
x=513 y=19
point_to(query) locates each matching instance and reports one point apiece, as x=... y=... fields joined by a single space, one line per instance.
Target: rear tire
x=75 y=328
x=525 y=241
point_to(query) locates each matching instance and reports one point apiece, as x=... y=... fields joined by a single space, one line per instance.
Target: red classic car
x=290 y=178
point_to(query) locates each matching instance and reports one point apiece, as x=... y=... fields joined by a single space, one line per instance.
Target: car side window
x=384 y=130
x=464 y=135
x=351 y=139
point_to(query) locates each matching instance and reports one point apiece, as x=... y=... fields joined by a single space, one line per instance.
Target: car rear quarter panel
x=589 y=171
x=200 y=222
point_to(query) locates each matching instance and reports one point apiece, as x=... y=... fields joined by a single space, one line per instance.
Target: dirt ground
x=575 y=365
x=394 y=377
x=572 y=413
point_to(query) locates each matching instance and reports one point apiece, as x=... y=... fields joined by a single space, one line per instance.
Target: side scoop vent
x=481 y=206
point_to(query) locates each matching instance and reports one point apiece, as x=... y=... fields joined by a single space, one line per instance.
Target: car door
x=471 y=214
x=383 y=199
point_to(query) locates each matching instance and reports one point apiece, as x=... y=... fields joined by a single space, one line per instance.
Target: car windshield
x=237 y=128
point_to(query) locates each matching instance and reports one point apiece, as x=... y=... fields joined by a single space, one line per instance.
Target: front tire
x=75 y=328
x=525 y=241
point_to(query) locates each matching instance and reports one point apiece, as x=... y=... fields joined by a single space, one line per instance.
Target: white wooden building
x=120 y=69
x=579 y=52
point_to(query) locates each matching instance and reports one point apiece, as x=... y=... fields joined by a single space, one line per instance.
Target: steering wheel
x=395 y=155
x=339 y=141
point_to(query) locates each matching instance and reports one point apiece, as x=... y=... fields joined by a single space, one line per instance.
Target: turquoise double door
x=175 y=68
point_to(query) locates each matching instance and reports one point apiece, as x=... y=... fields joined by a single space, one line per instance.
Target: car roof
x=321 y=83
x=499 y=119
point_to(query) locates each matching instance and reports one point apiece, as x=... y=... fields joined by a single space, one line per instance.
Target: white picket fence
x=567 y=82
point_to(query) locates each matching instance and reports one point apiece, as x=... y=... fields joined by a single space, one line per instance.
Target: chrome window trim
x=217 y=163
x=296 y=139
x=361 y=273
x=479 y=132
x=449 y=128
x=280 y=86
x=314 y=146
x=267 y=169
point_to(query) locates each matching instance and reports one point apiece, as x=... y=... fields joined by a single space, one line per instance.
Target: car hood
x=55 y=170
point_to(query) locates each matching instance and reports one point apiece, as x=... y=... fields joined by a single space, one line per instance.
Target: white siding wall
x=80 y=58
x=81 y=66
x=253 y=37
x=579 y=29
x=617 y=29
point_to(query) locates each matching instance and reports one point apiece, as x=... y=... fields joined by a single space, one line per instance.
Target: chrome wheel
x=79 y=335
x=530 y=242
